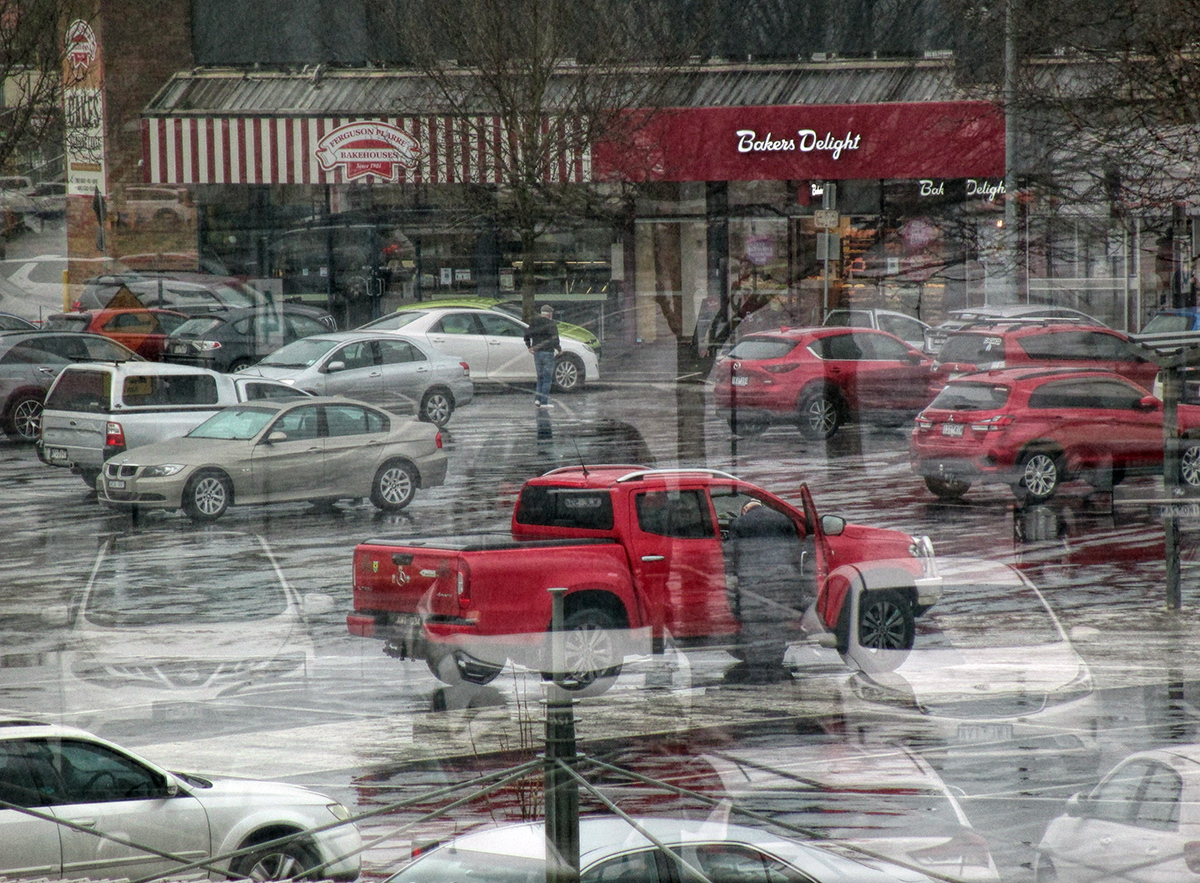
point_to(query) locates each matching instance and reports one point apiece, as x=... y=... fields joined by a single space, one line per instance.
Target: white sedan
x=492 y=343
x=75 y=806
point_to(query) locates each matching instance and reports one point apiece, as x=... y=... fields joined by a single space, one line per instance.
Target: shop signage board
x=826 y=218
x=902 y=140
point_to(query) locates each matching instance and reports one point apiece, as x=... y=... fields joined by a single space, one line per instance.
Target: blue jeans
x=543 y=361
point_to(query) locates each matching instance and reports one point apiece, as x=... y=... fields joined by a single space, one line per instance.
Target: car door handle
x=653 y=557
x=42 y=369
x=1106 y=841
x=85 y=822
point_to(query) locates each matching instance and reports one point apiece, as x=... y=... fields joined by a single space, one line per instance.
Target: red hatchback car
x=1034 y=428
x=144 y=331
x=819 y=378
x=1049 y=343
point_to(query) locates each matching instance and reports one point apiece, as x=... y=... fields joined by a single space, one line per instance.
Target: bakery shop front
x=777 y=211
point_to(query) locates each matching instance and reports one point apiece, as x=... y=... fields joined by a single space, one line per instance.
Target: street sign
x=828 y=218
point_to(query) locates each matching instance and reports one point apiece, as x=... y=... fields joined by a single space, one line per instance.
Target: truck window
x=80 y=391
x=546 y=506
x=682 y=514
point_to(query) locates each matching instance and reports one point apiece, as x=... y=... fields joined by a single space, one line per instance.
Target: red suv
x=819 y=378
x=144 y=331
x=1011 y=345
x=1034 y=428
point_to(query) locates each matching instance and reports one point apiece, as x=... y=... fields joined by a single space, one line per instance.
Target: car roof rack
x=643 y=473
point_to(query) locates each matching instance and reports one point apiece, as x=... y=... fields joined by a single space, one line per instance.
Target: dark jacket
x=542 y=335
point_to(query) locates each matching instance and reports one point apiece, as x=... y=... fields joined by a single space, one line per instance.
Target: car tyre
x=592 y=652
x=568 y=374
x=281 y=862
x=886 y=621
x=1189 y=464
x=820 y=414
x=436 y=407
x=207 y=495
x=394 y=486
x=24 y=421
x=1041 y=474
x=746 y=427
x=947 y=488
x=238 y=364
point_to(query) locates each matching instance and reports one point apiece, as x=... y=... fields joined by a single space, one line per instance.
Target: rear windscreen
x=169 y=389
x=547 y=506
x=974 y=349
x=970 y=397
x=80 y=391
x=762 y=348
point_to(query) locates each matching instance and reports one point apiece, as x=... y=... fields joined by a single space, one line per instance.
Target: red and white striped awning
x=332 y=150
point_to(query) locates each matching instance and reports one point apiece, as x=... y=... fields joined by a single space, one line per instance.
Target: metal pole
x=828 y=200
x=1010 y=149
x=1172 y=393
x=561 y=791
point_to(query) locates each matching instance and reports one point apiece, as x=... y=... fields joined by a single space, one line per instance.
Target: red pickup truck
x=641 y=553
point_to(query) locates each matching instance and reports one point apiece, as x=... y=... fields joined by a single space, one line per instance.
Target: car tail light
x=993 y=424
x=924 y=422
x=206 y=346
x=114 y=435
x=966 y=849
x=781 y=368
x=437 y=440
x=466 y=369
x=462 y=584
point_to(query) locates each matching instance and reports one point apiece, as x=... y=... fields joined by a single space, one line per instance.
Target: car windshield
x=300 y=354
x=1165 y=323
x=1017 y=617
x=969 y=396
x=753 y=348
x=234 y=423
x=855 y=812
x=464 y=866
x=393 y=321
x=198 y=326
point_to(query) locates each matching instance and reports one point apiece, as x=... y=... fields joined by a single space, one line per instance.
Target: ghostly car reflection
x=169 y=622
x=886 y=801
x=991 y=671
x=1141 y=823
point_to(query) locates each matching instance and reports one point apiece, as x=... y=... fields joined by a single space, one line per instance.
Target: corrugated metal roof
x=359 y=92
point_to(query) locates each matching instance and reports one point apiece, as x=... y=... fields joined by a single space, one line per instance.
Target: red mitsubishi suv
x=1034 y=428
x=819 y=378
x=1049 y=343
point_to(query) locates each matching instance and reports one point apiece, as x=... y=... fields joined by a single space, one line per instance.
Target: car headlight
x=338 y=811
x=162 y=471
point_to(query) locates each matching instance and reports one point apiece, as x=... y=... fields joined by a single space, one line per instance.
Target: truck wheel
x=886 y=628
x=592 y=651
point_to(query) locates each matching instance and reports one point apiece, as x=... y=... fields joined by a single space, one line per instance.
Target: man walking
x=541 y=337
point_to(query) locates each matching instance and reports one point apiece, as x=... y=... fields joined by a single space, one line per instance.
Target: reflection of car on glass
x=990 y=667
x=1034 y=428
x=235 y=339
x=9 y=322
x=29 y=363
x=613 y=849
x=144 y=644
x=382 y=369
x=507 y=307
x=1140 y=824
x=92 y=804
x=987 y=315
x=887 y=801
x=188 y=292
x=142 y=330
x=492 y=343
x=318 y=449
x=988 y=347
x=166 y=208
x=910 y=330
x=94 y=411
x=818 y=379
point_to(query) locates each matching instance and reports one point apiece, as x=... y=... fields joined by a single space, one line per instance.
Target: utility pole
x=561 y=791
x=1009 y=237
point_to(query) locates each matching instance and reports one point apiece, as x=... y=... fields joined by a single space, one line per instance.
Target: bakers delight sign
x=370 y=148
x=907 y=140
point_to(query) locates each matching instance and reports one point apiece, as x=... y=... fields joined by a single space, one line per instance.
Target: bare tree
x=31 y=69
x=539 y=83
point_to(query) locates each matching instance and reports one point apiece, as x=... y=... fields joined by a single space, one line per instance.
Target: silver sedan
x=378 y=368
x=319 y=449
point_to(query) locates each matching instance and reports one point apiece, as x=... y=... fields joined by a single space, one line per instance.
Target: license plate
x=116 y=484
x=180 y=348
x=978 y=734
x=56 y=453
x=952 y=429
x=740 y=381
